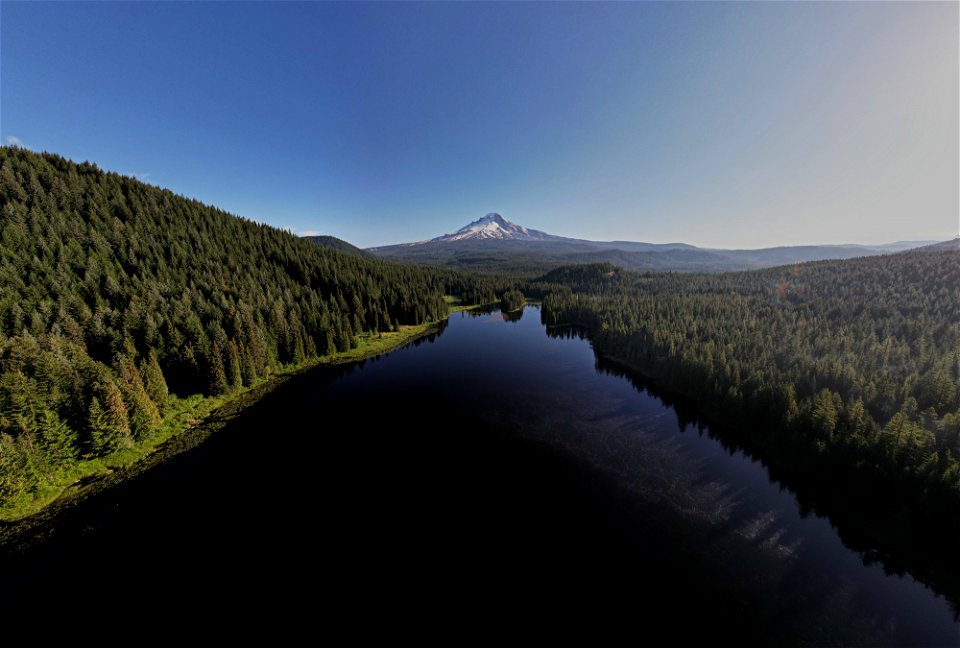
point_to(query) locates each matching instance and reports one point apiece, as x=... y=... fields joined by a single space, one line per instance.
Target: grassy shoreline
x=186 y=424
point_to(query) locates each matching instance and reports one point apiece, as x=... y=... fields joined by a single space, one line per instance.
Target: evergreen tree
x=105 y=432
x=153 y=380
x=142 y=412
x=216 y=374
x=234 y=374
x=16 y=469
x=248 y=367
x=58 y=441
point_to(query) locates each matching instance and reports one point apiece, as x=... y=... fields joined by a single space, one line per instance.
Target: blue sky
x=717 y=124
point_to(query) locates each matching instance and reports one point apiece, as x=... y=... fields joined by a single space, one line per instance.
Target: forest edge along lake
x=492 y=456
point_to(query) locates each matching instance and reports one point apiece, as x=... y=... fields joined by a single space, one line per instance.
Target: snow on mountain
x=495 y=226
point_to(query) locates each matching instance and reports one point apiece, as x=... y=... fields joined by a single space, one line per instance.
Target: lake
x=486 y=473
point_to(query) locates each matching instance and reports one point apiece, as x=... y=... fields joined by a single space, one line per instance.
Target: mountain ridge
x=494 y=244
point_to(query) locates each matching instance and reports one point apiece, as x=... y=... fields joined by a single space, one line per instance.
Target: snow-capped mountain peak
x=495 y=226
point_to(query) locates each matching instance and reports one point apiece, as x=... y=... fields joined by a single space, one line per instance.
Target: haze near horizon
x=719 y=125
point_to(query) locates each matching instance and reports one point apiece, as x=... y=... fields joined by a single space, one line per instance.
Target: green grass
x=192 y=414
x=370 y=344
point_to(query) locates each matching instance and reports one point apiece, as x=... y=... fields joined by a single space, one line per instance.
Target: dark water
x=490 y=474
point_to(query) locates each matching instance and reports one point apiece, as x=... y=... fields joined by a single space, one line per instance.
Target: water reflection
x=568 y=332
x=811 y=497
x=480 y=311
x=513 y=316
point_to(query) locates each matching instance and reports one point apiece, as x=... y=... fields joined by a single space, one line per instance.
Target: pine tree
x=106 y=431
x=216 y=375
x=248 y=368
x=57 y=439
x=824 y=415
x=153 y=380
x=232 y=367
x=16 y=470
x=142 y=412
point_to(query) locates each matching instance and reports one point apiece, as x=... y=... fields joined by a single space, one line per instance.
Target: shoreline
x=188 y=426
x=862 y=532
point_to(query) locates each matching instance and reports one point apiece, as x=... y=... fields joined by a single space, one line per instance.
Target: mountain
x=493 y=244
x=333 y=243
x=493 y=226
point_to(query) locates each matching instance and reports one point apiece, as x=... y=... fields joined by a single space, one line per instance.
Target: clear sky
x=716 y=124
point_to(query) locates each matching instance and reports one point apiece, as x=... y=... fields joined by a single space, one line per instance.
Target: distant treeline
x=846 y=372
x=114 y=293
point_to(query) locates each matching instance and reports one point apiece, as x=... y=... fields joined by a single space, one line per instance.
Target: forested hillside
x=334 y=243
x=115 y=294
x=844 y=372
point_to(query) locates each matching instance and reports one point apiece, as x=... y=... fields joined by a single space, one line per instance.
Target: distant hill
x=333 y=243
x=493 y=244
x=943 y=246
